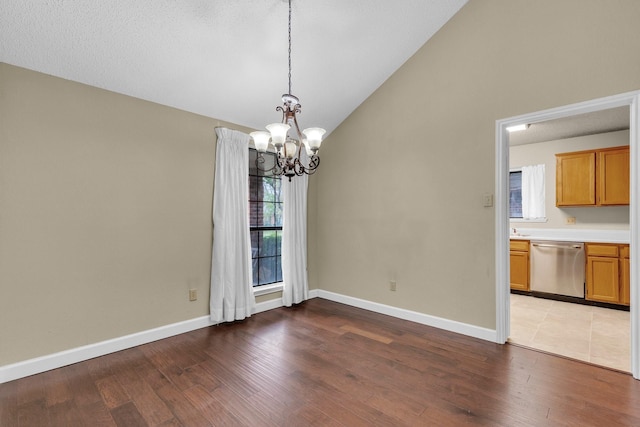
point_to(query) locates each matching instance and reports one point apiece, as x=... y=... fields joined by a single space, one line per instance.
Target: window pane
x=255 y=265
x=515 y=194
x=278 y=269
x=269 y=188
x=278 y=215
x=269 y=163
x=278 y=242
x=253 y=154
x=268 y=243
x=265 y=211
x=254 y=181
x=267 y=270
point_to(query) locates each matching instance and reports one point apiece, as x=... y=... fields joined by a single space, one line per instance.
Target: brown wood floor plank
x=182 y=408
x=210 y=408
x=323 y=363
x=127 y=415
x=113 y=394
x=147 y=402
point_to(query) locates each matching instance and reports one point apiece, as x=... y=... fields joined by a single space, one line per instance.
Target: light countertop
x=571 y=235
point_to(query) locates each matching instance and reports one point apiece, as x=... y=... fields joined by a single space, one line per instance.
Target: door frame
x=631 y=99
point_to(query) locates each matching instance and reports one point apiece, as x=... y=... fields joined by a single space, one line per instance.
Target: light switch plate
x=487 y=200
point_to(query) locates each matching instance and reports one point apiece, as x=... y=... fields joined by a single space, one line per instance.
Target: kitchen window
x=527 y=194
x=515 y=194
x=265 y=221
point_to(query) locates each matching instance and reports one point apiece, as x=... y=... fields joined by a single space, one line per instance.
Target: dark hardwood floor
x=323 y=363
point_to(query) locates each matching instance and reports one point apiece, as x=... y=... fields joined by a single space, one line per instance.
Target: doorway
x=631 y=100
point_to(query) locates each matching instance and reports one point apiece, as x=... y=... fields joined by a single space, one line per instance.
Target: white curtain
x=533 y=205
x=231 y=279
x=294 y=239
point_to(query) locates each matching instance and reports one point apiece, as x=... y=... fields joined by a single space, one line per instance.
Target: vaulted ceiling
x=225 y=59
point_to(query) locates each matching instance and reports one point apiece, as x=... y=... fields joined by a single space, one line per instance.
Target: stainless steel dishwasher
x=557 y=268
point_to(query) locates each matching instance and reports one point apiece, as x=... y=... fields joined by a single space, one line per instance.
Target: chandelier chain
x=289 y=46
x=289 y=149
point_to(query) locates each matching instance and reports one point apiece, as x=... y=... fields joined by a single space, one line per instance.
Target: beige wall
x=400 y=189
x=105 y=214
x=603 y=218
x=105 y=200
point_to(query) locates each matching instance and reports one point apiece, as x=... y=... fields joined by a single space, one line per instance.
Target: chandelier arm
x=295 y=122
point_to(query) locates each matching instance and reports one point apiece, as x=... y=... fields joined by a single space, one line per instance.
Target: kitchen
x=569 y=257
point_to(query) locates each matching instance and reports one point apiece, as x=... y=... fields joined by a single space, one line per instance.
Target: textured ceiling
x=610 y=120
x=225 y=59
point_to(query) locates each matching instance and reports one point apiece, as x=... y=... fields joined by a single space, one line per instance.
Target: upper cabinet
x=593 y=178
x=612 y=178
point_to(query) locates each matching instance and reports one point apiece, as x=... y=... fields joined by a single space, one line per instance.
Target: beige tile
x=522 y=334
x=562 y=351
x=616 y=362
x=562 y=340
x=603 y=345
x=527 y=315
x=610 y=328
x=571 y=311
x=600 y=313
x=532 y=302
x=594 y=334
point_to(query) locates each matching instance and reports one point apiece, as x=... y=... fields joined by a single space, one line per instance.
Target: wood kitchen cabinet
x=607 y=273
x=519 y=264
x=593 y=177
x=625 y=286
x=612 y=177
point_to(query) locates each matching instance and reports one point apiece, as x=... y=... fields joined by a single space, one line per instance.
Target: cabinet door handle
x=543 y=245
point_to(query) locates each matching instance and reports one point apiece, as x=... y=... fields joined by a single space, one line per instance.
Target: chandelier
x=289 y=147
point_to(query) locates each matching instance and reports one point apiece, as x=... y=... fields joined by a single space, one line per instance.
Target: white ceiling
x=225 y=59
x=611 y=120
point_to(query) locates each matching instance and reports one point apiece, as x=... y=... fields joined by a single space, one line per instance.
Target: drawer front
x=624 y=251
x=601 y=249
x=519 y=245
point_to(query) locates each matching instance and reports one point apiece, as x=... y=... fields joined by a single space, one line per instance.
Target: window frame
x=256 y=176
x=520 y=219
x=515 y=171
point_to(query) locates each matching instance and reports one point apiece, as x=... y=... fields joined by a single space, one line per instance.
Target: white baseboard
x=86 y=352
x=413 y=316
x=57 y=360
x=67 y=357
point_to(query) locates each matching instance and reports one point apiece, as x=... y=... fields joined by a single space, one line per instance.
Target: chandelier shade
x=287 y=139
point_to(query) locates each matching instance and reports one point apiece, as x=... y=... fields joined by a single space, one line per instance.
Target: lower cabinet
x=625 y=285
x=607 y=273
x=519 y=264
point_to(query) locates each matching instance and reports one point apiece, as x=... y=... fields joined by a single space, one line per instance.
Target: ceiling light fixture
x=517 y=128
x=289 y=149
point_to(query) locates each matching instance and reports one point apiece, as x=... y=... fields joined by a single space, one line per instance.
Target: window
x=265 y=221
x=515 y=194
x=527 y=194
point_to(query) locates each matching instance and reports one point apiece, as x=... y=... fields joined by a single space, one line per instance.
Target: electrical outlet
x=193 y=294
x=487 y=200
x=570 y=220
x=392 y=285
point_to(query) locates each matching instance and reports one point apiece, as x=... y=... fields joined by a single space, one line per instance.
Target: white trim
x=79 y=354
x=631 y=99
x=413 y=316
x=268 y=289
x=523 y=220
x=268 y=305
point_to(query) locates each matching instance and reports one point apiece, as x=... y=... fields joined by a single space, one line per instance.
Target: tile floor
x=593 y=334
